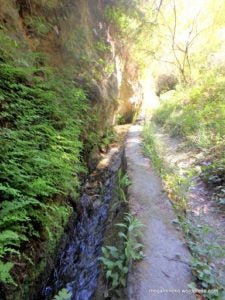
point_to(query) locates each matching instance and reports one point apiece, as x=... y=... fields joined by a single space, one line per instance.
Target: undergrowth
x=197 y=113
x=204 y=251
x=116 y=260
x=47 y=130
x=41 y=130
x=201 y=103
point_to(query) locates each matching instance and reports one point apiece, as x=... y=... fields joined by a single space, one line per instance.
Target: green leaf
x=5 y=276
x=113 y=251
x=63 y=294
x=123 y=235
x=108 y=274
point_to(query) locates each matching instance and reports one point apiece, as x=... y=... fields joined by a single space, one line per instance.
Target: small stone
x=175 y=221
x=177 y=256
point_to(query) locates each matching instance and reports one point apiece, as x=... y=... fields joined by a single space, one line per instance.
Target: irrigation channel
x=78 y=267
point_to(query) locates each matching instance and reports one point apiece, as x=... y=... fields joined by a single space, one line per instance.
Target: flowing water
x=78 y=267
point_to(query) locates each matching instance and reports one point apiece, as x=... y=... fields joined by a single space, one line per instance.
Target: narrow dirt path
x=203 y=212
x=164 y=273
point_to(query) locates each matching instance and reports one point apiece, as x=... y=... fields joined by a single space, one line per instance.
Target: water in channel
x=78 y=267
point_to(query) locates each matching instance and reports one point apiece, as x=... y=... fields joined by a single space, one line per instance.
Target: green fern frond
x=5 y=276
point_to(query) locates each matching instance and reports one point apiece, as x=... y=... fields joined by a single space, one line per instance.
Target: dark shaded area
x=78 y=267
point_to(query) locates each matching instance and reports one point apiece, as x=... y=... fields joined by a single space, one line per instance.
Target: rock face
x=130 y=93
x=76 y=37
x=165 y=83
x=73 y=41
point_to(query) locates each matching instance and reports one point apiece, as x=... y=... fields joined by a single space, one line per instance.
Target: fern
x=10 y=251
x=9 y=237
x=4 y=273
x=63 y=294
x=41 y=125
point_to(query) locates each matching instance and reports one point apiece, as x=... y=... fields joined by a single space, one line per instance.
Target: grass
x=174 y=182
x=177 y=183
x=195 y=115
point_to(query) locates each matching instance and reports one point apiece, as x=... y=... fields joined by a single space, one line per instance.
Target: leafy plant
x=213 y=174
x=132 y=247
x=102 y=46
x=5 y=273
x=40 y=158
x=204 y=252
x=116 y=260
x=196 y=113
x=116 y=270
x=203 y=249
x=63 y=294
x=151 y=147
x=38 y=25
x=108 y=137
x=120 y=120
x=122 y=184
x=124 y=17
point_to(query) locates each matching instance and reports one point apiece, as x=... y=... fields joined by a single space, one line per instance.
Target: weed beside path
x=200 y=217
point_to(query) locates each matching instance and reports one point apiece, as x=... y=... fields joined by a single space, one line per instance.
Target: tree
x=185 y=35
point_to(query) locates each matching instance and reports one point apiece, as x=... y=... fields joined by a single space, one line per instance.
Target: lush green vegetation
x=123 y=243
x=194 y=113
x=132 y=23
x=41 y=125
x=63 y=295
x=45 y=121
x=177 y=182
x=197 y=115
x=116 y=260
